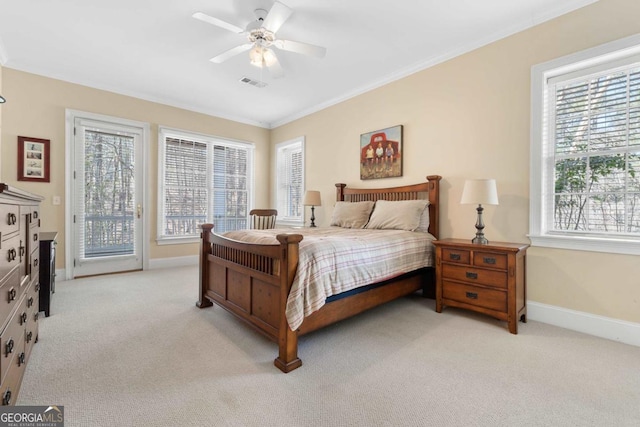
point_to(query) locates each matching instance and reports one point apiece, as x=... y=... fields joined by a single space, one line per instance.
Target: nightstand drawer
x=455 y=255
x=496 y=279
x=488 y=259
x=474 y=295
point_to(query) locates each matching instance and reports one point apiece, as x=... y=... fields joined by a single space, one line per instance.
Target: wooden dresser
x=19 y=285
x=489 y=279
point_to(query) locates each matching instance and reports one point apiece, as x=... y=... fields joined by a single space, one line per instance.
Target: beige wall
x=36 y=108
x=469 y=118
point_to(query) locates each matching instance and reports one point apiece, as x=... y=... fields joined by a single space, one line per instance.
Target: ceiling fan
x=261 y=36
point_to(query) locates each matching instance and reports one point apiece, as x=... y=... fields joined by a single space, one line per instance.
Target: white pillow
x=351 y=214
x=397 y=215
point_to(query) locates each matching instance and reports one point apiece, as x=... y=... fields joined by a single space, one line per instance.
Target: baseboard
x=600 y=326
x=173 y=262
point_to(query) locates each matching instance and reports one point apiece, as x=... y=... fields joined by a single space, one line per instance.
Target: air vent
x=256 y=83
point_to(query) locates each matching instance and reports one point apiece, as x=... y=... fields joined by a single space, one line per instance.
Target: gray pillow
x=351 y=214
x=397 y=215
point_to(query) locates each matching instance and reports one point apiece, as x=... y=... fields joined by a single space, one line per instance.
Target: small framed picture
x=381 y=153
x=33 y=159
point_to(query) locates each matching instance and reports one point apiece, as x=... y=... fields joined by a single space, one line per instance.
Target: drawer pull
x=37 y=287
x=471 y=275
x=455 y=257
x=35 y=237
x=29 y=336
x=35 y=262
x=472 y=295
x=35 y=214
x=36 y=317
x=6 y=399
x=489 y=260
x=8 y=348
x=11 y=219
x=21 y=359
x=11 y=254
x=12 y=294
x=23 y=318
x=30 y=302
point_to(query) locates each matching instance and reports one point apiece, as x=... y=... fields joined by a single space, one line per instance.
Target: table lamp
x=312 y=198
x=480 y=192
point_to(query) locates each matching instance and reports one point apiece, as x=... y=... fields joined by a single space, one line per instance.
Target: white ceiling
x=155 y=50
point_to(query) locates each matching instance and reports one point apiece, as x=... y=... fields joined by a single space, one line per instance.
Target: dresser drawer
x=33 y=317
x=459 y=256
x=10 y=255
x=34 y=263
x=9 y=295
x=9 y=220
x=12 y=339
x=475 y=295
x=488 y=259
x=493 y=278
x=11 y=383
x=35 y=216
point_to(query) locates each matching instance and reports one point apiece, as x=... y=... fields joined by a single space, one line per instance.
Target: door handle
x=139 y=211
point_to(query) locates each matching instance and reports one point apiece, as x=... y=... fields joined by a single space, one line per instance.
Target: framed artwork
x=381 y=153
x=33 y=159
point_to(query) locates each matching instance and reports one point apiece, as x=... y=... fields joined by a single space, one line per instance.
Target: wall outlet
x=56 y=200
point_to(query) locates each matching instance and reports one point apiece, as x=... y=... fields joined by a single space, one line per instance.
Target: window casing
x=201 y=179
x=585 y=150
x=290 y=181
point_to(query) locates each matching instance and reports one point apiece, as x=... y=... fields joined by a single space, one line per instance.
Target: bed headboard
x=427 y=190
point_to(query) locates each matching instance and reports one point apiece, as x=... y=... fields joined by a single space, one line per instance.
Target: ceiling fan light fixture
x=269 y=57
x=256 y=56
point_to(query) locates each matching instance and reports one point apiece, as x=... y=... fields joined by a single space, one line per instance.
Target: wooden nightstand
x=489 y=279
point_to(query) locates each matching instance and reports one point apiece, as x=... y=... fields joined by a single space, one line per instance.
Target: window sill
x=585 y=243
x=177 y=240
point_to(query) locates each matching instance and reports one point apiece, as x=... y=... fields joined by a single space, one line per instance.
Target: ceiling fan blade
x=231 y=52
x=276 y=69
x=277 y=16
x=299 y=47
x=217 y=22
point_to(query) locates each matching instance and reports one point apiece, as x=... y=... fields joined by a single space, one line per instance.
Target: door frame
x=145 y=129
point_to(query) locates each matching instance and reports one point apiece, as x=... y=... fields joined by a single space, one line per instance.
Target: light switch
x=56 y=200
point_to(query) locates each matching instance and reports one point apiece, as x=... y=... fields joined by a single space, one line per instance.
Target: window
x=290 y=181
x=585 y=152
x=201 y=179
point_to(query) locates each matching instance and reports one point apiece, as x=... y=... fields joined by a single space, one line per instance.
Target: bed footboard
x=252 y=281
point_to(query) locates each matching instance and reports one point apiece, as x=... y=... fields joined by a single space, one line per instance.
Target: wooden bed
x=252 y=281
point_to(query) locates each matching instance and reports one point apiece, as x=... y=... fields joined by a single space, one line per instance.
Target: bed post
x=287 y=359
x=205 y=249
x=340 y=192
x=434 y=204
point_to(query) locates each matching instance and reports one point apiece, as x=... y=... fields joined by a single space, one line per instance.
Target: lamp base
x=313 y=218
x=479 y=239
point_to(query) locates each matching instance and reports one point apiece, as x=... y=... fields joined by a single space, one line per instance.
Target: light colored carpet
x=133 y=350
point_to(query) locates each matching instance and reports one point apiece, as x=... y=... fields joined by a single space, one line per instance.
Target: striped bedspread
x=334 y=260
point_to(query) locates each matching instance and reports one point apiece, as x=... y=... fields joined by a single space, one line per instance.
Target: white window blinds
x=597 y=153
x=290 y=180
x=203 y=180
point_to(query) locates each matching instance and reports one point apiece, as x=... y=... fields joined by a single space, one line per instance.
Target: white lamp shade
x=312 y=198
x=480 y=192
